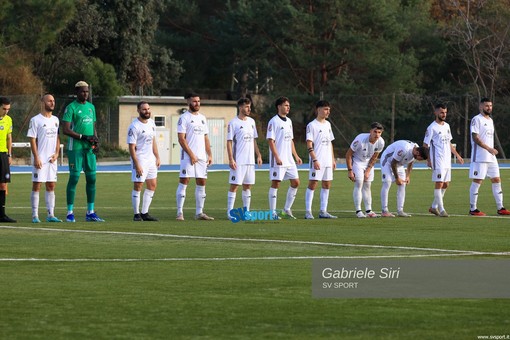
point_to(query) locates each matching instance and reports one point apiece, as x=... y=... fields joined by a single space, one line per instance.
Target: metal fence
x=405 y=116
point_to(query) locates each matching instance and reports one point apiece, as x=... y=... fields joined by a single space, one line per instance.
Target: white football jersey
x=45 y=130
x=242 y=133
x=363 y=149
x=142 y=135
x=321 y=135
x=401 y=151
x=195 y=127
x=281 y=132
x=484 y=127
x=438 y=138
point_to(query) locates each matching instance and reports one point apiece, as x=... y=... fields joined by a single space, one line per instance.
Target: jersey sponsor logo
x=198 y=130
x=400 y=153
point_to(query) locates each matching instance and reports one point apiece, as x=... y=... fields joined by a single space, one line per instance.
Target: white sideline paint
x=442 y=252
x=265 y=258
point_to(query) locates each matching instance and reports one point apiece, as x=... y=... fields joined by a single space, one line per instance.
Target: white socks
x=180 y=196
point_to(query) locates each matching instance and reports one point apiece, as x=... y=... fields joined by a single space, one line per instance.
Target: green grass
x=211 y=279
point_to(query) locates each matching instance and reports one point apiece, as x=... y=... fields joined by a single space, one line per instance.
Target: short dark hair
x=280 y=100
x=322 y=103
x=190 y=94
x=376 y=125
x=440 y=106
x=485 y=100
x=424 y=152
x=243 y=101
x=5 y=101
x=140 y=103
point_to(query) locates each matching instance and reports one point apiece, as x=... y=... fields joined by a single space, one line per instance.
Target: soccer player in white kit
x=241 y=149
x=360 y=160
x=196 y=156
x=45 y=145
x=483 y=159
x=322 y=161
x=397 y=155
x=143 y=149
x=438 y=140
x=280 y=137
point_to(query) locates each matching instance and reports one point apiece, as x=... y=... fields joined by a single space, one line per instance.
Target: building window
x=160 y=121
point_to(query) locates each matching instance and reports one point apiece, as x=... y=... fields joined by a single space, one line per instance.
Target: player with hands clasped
x=438 y=141
x=280 y=137
x=79 y=123
x=319 y=137
x=241 y=149
x=144 y=161
x=45 y=146
x=360 y=160
x=196 y=156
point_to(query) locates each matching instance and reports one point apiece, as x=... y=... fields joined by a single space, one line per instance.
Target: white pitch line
x=266 y=258
x=236 y=239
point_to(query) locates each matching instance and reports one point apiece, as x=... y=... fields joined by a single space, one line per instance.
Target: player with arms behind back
x=483 y=159
x=144 y=161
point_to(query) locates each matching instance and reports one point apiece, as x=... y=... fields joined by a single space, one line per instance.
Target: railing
x=27 y=145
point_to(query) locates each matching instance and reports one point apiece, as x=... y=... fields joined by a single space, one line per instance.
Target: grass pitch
x=217 y=279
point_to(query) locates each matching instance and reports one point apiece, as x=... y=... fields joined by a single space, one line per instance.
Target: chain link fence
x=405 y=116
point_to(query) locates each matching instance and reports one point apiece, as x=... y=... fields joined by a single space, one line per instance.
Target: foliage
x=479 y=35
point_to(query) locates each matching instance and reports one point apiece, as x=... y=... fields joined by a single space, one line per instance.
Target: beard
x=488 y=113
x=194 y=108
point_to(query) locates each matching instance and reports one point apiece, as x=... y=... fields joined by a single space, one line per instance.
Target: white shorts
x=48 y=173
x=281 y=173
x=387 y=174
x=244 y=174
x=442 y=175
x=359 y=172
x=197 y=170
x=150 y=171
x=483 y=170
x=324 y=174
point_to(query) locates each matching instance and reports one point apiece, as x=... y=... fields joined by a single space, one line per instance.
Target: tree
x=134 y=52
x=479 y=33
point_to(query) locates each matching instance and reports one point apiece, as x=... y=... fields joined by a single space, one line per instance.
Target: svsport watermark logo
x=243 y=214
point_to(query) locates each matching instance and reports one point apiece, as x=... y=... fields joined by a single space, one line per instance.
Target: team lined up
x=397 y=159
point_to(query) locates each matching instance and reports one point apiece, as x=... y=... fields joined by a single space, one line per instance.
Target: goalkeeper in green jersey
x=79 y=123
